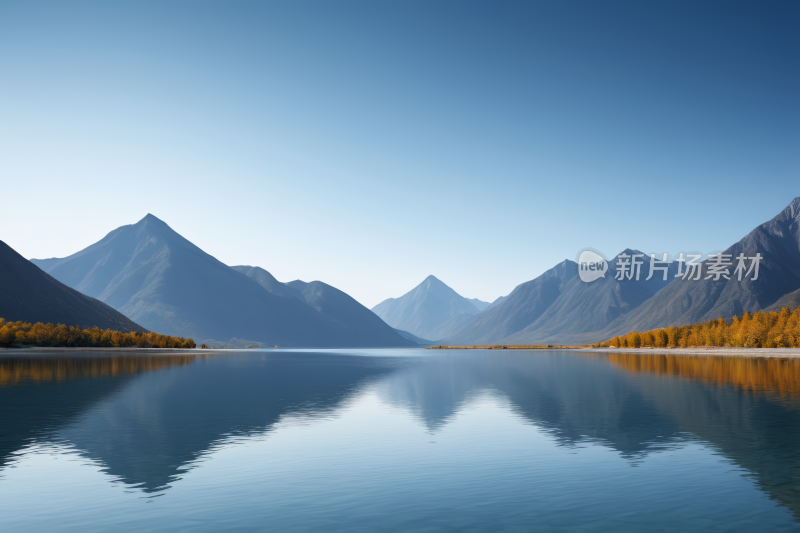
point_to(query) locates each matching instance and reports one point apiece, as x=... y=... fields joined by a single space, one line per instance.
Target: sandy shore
x=747 y=352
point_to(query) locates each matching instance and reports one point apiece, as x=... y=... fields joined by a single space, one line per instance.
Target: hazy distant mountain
x=495 y=302
x=29 y=294
x=451 y=326
x=154 y=276
x=414 y=338
x=332 y=304
x=480 y=305
x=423 y=309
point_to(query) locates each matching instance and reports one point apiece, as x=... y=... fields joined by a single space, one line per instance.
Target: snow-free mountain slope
x=519 y=309
x=333 y=304
x=423 y=309
x=689 y=301
x=556 y=309
x=156 y=277
x=31 y=295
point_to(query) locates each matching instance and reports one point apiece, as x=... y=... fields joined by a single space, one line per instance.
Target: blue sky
x=369 y=144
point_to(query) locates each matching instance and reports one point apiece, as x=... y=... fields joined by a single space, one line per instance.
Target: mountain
x=495 y=302
x=154 y=276
x=559 y=308
x=414 y=338
x=559 y=305
x=686 y=301
x=584 y=308
x=451 y=326
x=425 y=308
x=480 y=305
x=526 y=303
x=333 y=304
x=31 y=295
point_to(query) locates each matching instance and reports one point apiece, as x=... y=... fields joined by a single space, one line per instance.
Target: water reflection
x=747 y=408
x=153 y=429
x=44 y=368
x=39 y=393
x=772 y=378
x=150 y=419
x=633 y=403
x=571 y=397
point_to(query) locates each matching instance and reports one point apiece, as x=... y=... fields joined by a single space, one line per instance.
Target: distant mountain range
x=156 y=279
x=557 y=307
x=154 y=276
x=431 y=310
x=30 y=295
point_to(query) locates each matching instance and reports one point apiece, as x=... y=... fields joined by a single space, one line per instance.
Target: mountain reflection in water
x=149 y=419
x=17 y=370
x=773 y=378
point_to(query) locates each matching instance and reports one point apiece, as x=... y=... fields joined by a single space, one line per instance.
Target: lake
x=397 y=440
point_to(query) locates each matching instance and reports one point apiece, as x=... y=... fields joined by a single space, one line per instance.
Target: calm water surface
x=398 y=440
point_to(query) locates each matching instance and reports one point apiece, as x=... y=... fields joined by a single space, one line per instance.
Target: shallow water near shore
x=398 y=440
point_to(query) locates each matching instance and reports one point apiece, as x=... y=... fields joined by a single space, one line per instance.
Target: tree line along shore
x=63 y=336
x=759 y=330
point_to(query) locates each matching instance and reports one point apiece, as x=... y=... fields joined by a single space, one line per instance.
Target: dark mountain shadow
x=30 y=295
x=161 y=425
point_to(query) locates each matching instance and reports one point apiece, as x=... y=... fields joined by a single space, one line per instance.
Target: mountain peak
x=149 y=217
x=425 y=308
x=630 y=251
x=793 y=209
x=152 y=223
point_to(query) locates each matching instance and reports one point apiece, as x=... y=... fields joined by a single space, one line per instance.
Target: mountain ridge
x=424 y=308
x=31 y=295
x=333 y=304
x=155 y=276
x=583 y=313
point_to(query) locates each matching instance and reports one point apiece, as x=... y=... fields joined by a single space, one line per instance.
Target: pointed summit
x=150 y=218
x=426 y=308
x=159 y=279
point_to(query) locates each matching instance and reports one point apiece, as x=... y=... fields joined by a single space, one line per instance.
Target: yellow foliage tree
x=61 y=335
x=759 y=330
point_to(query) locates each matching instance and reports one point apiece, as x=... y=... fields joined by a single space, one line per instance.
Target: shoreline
x=789 y=353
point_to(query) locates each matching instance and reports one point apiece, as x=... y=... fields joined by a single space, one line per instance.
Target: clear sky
x=370 y=144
